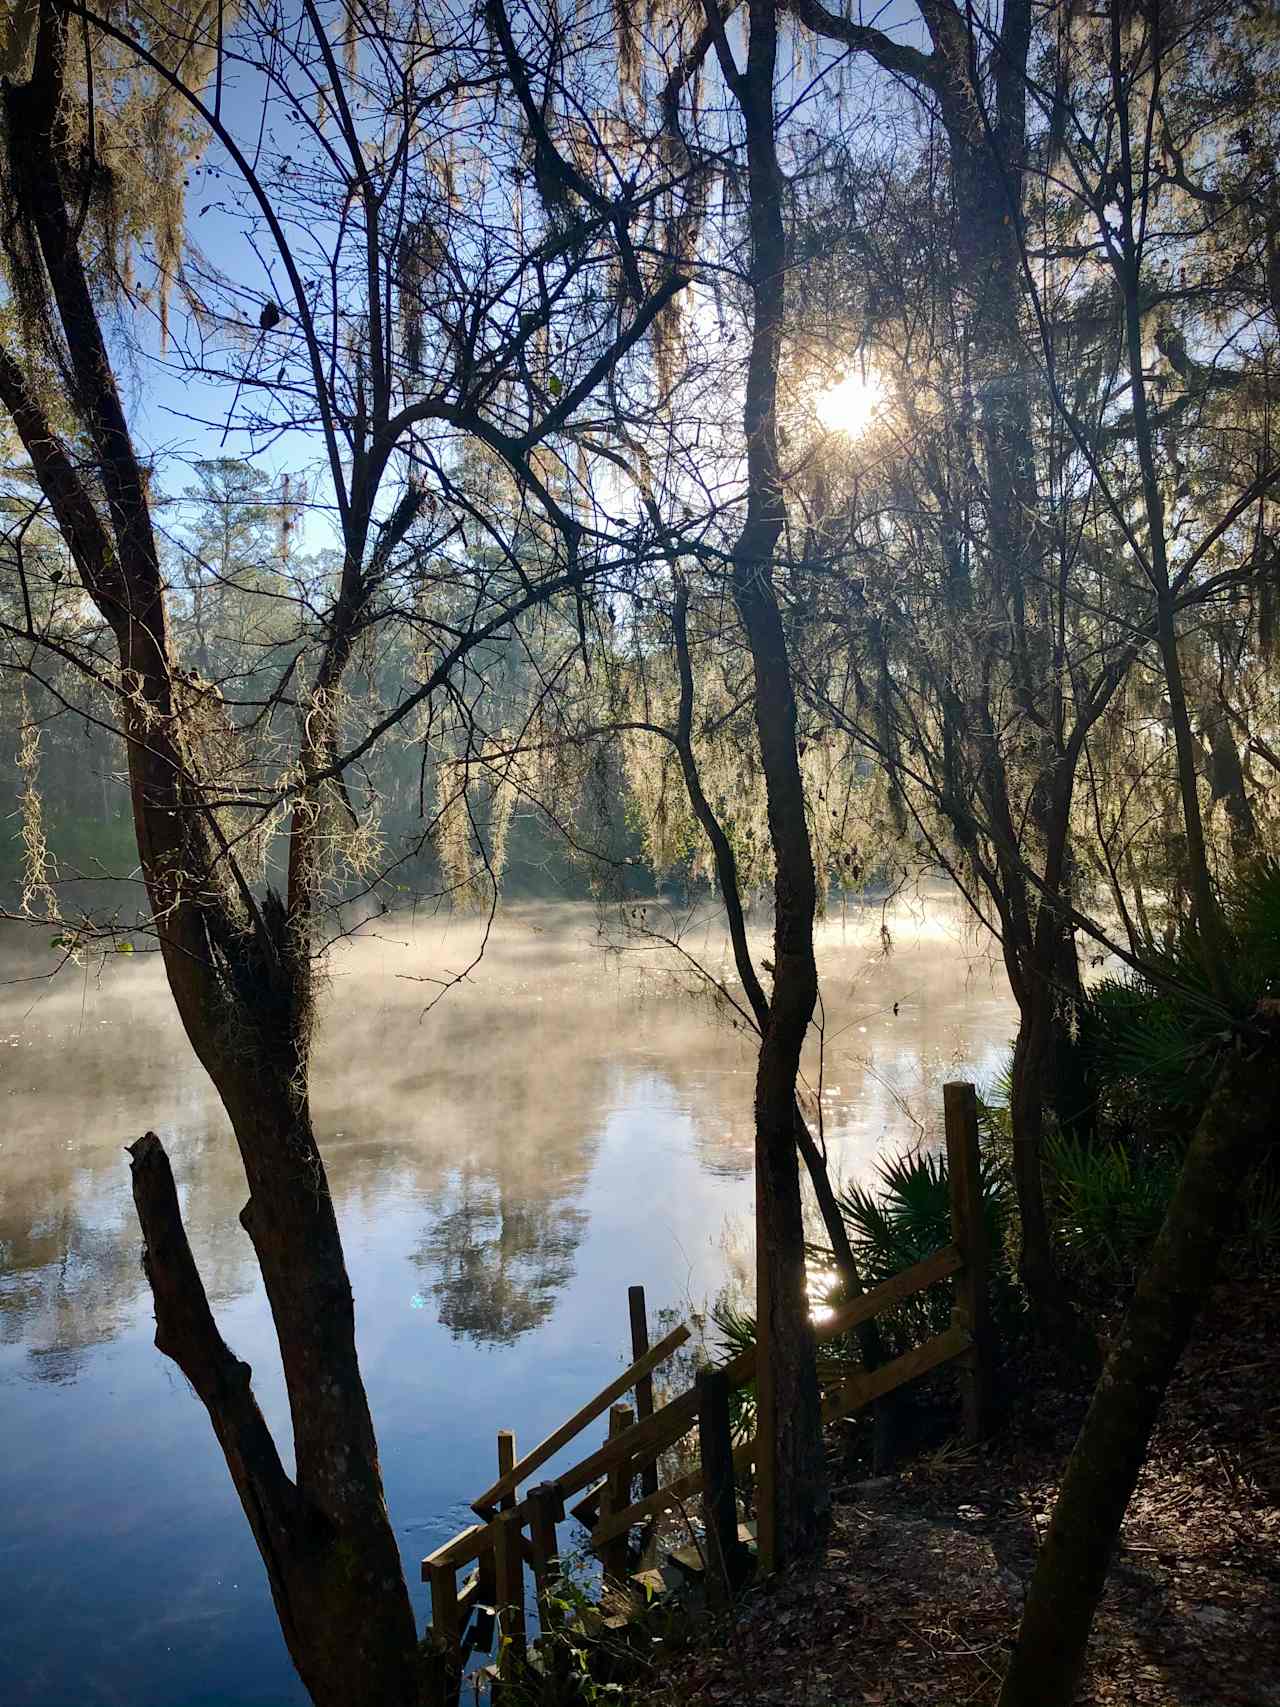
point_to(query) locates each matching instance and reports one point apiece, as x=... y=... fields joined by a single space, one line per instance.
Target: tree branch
x=187 y=1333
x=892 y=55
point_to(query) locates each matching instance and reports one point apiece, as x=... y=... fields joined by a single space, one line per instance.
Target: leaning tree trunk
x=1237 y=1120
x=325 y=1539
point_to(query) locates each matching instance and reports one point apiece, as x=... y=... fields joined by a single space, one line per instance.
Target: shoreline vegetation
x=916 y=1599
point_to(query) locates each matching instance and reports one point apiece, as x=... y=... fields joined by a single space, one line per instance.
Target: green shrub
x=1152 y=1040
x=736 y=1329
x=1152 y=1043
x=1106 y=1203
x=906 y=1216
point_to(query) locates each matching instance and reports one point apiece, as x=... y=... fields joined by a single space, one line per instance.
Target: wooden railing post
x=644 y=1386
x=487 y=1594
x=719 y=1499
x=446 y=1628
x=506 y=1463
x=508 y=1570
x=969 y=1233
x=617 y=1496
x=546 y=1509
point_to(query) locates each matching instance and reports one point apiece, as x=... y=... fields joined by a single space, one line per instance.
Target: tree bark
x=240 y=973
x=1037 y=1078
x=726 y=865
x=1108 y=1456
x=332 y=1584
x=790 y=1411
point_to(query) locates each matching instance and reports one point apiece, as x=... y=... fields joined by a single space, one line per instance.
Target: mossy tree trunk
x=1237 y=1121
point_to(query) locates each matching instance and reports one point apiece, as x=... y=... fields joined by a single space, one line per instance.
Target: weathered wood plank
x=726 y=1568
x=506 y=1462
x=446 y=1617
x=595 y=1407
x=671 y=1421
x=667 y=1424
x=468 y=1544
x=546 y=1509
x=644 y=1386
x=587 y=1509
x=690 y=1562
x=508 y=1562
x=851 y=1395
x=468 y=1594
x=889 y=1292
x=671 y=1498
x=862 y=1389
x=937 y=1266
x=613 y=1555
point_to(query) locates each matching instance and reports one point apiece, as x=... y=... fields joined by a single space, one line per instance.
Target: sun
x=851 y=405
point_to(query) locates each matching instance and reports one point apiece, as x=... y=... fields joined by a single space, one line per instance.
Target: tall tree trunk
x=1037 y=1065
x=726 y=865
x=1237 y=1121
x=240 y=973
x=1032 y=1055
x=788 y=1387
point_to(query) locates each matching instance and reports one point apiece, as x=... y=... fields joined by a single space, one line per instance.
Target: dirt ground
x=918 y=1598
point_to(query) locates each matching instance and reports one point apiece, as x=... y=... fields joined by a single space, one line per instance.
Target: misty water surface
x=565 y=1122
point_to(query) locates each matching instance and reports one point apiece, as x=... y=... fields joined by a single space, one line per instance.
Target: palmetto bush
x=1155 y=1037
x=1106 y=1202
x=1152 y=1044
x=904 y=1215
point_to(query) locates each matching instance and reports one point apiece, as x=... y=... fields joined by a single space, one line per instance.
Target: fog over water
x=566 y=1122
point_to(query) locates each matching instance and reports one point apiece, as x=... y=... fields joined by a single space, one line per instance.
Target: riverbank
x=918 y=1598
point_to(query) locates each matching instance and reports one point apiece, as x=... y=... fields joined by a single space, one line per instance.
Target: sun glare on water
x=851 y=405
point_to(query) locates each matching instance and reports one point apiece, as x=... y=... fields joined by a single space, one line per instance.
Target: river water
x=570 y=1119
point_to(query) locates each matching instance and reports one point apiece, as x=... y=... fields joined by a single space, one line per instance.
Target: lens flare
x=851 y=405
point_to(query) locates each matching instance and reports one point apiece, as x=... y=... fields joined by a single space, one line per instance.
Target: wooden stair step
x=648 y=1584
x=688 y=1560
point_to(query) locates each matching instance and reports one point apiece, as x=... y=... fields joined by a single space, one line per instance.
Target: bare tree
x=407 y=323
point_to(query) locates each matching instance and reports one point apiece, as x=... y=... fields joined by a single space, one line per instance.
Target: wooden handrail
x=684 y=1487
x=851 y=1395
x=467 y=1545
x=547 y=1448
x=663 y=1427
x=924 y=1273
x=674 y=1419
x=499 y=1542
x=863 y=1388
